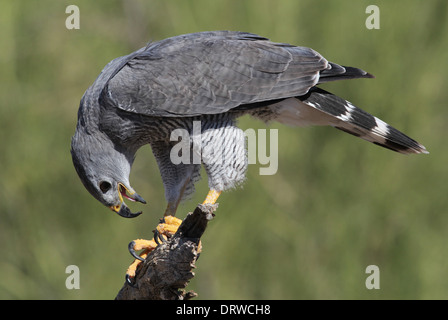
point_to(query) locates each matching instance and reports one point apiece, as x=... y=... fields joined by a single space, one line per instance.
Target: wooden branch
x=168 y=268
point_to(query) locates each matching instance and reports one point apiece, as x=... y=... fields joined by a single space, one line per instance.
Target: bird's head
x=104 y=170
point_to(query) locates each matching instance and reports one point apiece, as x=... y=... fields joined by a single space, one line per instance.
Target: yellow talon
x=141 y=244
x=166 y=229
x=133 y=267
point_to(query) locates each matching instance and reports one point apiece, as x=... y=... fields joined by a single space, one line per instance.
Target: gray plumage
x=211 y=77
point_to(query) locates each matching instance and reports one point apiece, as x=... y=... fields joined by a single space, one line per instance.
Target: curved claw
x=158 y=237
x=132 y=251
x=129 y=282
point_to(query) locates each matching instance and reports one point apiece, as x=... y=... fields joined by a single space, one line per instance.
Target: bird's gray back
x=209 y=73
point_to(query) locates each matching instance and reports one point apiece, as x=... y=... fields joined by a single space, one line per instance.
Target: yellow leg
x=212 y=197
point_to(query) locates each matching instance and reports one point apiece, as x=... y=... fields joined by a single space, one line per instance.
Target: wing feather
x=211 y=72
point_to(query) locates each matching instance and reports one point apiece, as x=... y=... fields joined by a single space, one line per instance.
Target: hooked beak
x=122 y=209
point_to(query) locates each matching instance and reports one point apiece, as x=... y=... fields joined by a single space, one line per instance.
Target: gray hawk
x=214 y=78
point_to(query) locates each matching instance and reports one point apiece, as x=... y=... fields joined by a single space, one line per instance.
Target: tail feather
x=348 y=118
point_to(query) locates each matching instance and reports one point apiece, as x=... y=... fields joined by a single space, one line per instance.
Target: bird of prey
x=214 y=78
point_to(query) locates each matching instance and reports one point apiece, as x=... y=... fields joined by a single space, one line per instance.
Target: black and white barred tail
x=360 y=123
x=319 y=107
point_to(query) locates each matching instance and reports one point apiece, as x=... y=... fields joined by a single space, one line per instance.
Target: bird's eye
x=105 y=186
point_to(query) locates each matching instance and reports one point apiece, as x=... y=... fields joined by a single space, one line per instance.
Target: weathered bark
x=168 y=268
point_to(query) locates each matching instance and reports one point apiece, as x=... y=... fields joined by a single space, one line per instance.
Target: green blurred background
x=336 y=205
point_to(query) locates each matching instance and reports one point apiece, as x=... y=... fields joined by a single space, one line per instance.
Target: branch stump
x=169 y=267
